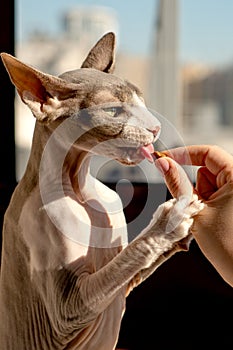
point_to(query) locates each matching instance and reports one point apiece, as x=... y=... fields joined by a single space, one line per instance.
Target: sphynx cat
x=67 y=267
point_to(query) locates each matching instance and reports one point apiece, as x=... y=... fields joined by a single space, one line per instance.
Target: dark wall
x=7 y=143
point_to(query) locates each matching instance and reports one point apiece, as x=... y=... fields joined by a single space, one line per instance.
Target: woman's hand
x=213 y=226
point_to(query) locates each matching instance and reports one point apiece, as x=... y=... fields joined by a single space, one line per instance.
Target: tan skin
x=213 y=227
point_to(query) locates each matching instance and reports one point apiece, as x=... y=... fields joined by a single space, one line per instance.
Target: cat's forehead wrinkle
x=98 y=97
x=101 y=87
x=106 y=96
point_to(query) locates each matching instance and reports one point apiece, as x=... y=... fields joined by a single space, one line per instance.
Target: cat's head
x=110 y=111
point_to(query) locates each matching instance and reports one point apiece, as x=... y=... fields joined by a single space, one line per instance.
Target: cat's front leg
x=168 y=232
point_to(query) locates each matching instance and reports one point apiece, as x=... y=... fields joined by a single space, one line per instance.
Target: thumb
x=175 y=177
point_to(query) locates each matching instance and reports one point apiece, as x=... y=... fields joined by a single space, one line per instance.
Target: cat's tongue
x=146 y=152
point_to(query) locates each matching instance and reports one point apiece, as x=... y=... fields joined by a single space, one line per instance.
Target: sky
x=205 y=26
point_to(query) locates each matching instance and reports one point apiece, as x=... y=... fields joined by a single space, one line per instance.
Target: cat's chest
x=97 y=222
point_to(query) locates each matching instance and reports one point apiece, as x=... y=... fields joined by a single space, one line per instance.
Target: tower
x=164 y=89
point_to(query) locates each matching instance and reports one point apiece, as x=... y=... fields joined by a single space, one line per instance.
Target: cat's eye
x=113 y=111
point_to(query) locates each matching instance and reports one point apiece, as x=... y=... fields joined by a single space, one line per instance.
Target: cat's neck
x=55 y=163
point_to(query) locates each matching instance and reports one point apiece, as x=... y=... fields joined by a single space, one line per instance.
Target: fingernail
x=162 y=165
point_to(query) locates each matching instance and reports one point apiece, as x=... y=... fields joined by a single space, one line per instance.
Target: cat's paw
x=180 y=216
x=173 y=219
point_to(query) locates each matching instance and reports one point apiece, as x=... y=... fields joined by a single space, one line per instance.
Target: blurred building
x=209 y=86
x=86 y=24
x=80 y=28
x=208 y=105
x=191 y=76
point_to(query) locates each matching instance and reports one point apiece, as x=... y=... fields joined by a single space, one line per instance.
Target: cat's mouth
x=132 y=156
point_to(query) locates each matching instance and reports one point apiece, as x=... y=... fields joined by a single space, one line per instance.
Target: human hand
x=213 y=227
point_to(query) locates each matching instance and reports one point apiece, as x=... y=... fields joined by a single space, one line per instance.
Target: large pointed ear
x=43 y=93
x=102 y=55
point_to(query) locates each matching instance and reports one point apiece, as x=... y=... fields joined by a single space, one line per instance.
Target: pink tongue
x=146 y=152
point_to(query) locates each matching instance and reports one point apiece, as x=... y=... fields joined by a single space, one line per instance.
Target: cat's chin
x=133 y=156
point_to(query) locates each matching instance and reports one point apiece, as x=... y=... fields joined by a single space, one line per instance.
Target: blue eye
x=112 y=111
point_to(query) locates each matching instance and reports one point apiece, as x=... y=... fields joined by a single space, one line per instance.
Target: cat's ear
x=102 y=55
x=43 y=93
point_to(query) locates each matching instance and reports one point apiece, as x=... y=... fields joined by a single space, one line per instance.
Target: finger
x=175 y=177
x=218 y=161
x=206 y=183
